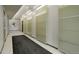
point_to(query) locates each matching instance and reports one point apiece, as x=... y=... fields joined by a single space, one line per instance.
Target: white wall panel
x=52 y=26
x=34 y=25
x=1 y=28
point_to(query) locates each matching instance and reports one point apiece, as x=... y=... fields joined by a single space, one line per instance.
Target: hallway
x=39 y=29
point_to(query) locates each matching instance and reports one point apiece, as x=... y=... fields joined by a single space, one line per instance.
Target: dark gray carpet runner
x=23 y=45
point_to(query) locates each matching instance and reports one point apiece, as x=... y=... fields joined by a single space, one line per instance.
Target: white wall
x=34 y=25
x=1 y=28
x=52 y=26
x=16 y=27
x=6 y=25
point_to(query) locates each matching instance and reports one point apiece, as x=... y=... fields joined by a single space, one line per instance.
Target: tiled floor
x=8 y=45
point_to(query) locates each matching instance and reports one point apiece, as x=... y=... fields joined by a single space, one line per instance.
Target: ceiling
x=23 y=10
x=11 y=10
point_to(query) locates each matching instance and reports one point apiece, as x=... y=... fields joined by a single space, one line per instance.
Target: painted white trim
x=43 y=12
x=36 y=6
x=40 y=7
x=28 y=12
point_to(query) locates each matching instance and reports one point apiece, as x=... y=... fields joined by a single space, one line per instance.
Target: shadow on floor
x=23 y=45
